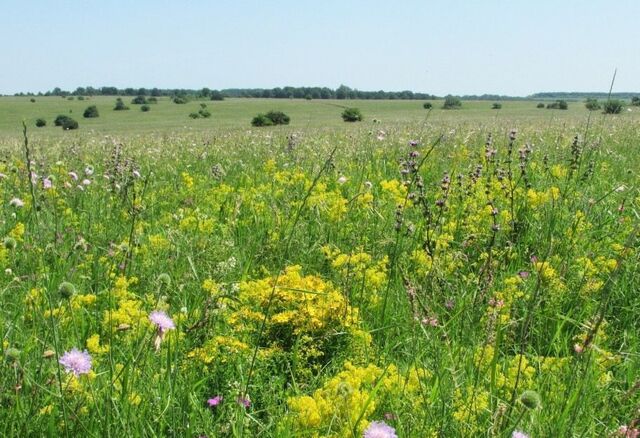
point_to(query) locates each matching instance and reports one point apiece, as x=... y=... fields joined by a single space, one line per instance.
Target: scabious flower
x=519 y=434
x=342 y=180
x=215 y=401
x=76 y=362
x=47 y=184
x=74 y=176
x=16 y=202
x=379 y=429
x=88 y=170
x=161 y=320
x=244 y=401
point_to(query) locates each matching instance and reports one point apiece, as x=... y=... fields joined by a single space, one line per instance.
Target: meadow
x=429 y=274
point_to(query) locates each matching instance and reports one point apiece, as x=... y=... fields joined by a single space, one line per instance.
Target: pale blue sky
x=460 y=47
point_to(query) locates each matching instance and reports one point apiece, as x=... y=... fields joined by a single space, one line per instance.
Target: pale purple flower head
x=86 y=182
x=215 y=401
x=379 y=429
x=74 y=176
x=161 y=320
x=244 y=401
x=519 y=434
x=76 y=362
x=46 y=183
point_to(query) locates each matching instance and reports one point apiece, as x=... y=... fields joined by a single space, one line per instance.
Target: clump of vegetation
x=69 y=124
x=70 y=98
x=635 y=101
x=558 y=104
x=91 y=112
x=452 y=102
x=496 y=105
x=180 y=100
x=152 y=99
x=278 y=117
x=80 y=97
x=352 y=115
x=261 y=120
x=203 y=112
x=139 y=100
x=59 y=120
x=613 y=106
x=145 y=108
x=540 y=105
x=120 y=106
x=32 y=100
x=271 y=118
x=592 y=104
x=41 y=123
x=427 y=105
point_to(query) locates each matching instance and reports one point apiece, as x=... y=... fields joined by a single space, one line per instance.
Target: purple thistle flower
x=379 y=429
x=215 y=401
x=76 y=362
x=244 y=401
x=161 y=320
x=519 y=434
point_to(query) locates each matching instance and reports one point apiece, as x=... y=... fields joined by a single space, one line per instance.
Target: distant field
x=168 y=117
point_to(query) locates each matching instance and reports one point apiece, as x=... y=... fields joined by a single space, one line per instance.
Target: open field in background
x=168 y=117
x=449 y=278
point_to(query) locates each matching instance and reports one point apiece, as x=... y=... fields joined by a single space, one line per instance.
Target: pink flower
x=46 y=183
x=519 y=434
x=74 y=176
x=215 y=401
x=627 y=432
x=86 y=182
x=379 y=429
x=244 y=401
x=161 y=320
x=76 y=362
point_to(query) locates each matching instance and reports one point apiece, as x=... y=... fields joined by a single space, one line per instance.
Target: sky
x=514 y=47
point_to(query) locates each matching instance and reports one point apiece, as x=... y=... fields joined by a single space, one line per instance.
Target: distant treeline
x=342 y=92
x=581 y=95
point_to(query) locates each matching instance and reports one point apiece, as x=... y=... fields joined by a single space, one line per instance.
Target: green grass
x=168 y=117
x=426 y=286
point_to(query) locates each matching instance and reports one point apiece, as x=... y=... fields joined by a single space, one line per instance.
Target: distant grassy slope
x=166 y=116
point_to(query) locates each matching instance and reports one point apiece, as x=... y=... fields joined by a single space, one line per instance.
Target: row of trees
x=342 y=92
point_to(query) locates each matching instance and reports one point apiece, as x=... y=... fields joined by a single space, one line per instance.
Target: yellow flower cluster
x=345 y=403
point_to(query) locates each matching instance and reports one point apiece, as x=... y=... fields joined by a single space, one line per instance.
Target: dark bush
x=80 y=98
x=261 y=120
x=91 y=112
x=496 y=105
x=139 y=100
x=592 y=104
x=452 y=102
x=152 y=100
x=540 y=105
x=613 y=106
x=70 y=98
x=145 y=108
x=32 y=100
x=69 y=124
x=180 y=100
x=204 y=113
x=352 y=115
x=558 y=104
x=278 y=117
x=427 y=105
x=194 y=115
x=120 y=106
x=58 y=121
x=635 y=101
x=41 y=122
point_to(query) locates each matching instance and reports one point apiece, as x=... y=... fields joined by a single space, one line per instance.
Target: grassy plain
x=168 y=117
x=447 y=276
